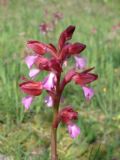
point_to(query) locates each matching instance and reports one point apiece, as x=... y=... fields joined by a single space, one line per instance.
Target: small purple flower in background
x=45 y=28
x=116 y=27
x=73 y=130
x=57 y=16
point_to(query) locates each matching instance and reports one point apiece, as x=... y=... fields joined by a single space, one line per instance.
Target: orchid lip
x=33 y=72
x=29 y=60
x=49 y=101
x=27 y=101
x=80 y=62
x=49 y=82
x=88 y=92
x=73 y=130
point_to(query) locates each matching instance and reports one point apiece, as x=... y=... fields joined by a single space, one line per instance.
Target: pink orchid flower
x=73 y=130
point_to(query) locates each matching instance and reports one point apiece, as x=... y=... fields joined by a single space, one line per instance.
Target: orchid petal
x=29 y=60
x=88 y=92
x=33 y=72
x=31 y=87
x=49 y=81
x=80 y=62
x=68 y=114
x=49 y=101
x=73 y=130
x=26 y=101
x=76 y=48
x=65 y=36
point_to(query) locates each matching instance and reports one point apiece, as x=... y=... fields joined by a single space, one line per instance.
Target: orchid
x=54 y=83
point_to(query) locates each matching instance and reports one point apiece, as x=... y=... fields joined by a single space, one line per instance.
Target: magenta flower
x=88 y=92
x=80 y=62
x=73 y=130
x=26 y=101
x=49 y=82
x=49 y=101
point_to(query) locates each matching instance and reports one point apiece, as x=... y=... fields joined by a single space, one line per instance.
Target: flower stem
x=55 y=121
x=54 y=138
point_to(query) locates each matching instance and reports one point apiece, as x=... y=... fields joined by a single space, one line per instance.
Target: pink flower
x=33 y=72
x=73 y=130
x=26 y=101
x=29 y=60
x=50 y=81
x=88 y=92
x=80 y=62
x=49 y=101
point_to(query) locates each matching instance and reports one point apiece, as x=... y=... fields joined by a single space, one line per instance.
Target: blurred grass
x=26 y=134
